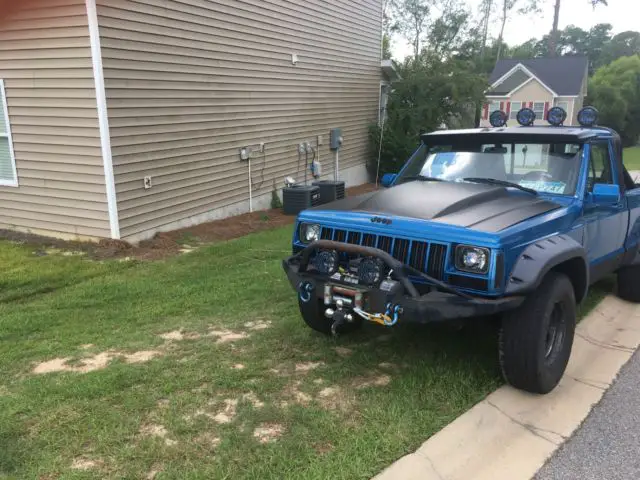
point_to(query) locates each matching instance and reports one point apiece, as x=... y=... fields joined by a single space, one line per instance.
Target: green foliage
x=615 y=91
x=432 y=92
x=276 y=203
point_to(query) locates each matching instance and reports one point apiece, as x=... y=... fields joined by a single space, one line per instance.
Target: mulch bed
x=167 y=244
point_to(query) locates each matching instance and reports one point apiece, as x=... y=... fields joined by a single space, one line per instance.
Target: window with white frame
x=515 y=108
x=538 y=108
x=8 y=175
x=493 y=106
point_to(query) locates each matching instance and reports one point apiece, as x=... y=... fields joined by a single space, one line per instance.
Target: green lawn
x=239 y=389
x=632 y=158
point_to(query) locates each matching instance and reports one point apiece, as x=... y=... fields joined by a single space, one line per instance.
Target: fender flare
x=542 y=256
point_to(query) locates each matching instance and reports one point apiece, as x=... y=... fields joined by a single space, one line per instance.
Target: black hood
x=481 y=207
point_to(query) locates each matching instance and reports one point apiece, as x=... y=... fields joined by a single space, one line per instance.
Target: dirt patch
x=165 y=245
x=334 y=398
x=258 y=325
x=87 y=346
x=343 y=351
x=268 y=432
x=142 y=356
x=158 y=431
x=82 y=463
x=388 y=366
x=308 y=366
x=228 y=413
x=209 y=439
x=238 y=366
x=374 y=381
x=179 y=335
x=226 y=336
x=153 y=473
x=294 y=394
x=98 y=361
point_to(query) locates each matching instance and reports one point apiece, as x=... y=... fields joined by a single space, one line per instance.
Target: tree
x=433 y=91
x=624 y=44
x=615 y=91
x=411 y=17
x=554 y=36
x=507 y=8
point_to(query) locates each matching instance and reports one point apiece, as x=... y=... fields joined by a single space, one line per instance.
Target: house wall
x=45 y=61
x=189 y=82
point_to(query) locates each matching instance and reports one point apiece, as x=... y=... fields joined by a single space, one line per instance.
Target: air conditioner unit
x=330 y=190
x=299 y=197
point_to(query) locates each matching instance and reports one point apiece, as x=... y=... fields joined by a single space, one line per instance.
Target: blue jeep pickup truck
x=510 y=220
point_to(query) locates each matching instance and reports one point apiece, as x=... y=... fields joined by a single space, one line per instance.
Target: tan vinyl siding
x=45 y=61
x=189 y=82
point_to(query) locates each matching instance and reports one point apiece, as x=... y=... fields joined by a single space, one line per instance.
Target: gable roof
x=563 y=75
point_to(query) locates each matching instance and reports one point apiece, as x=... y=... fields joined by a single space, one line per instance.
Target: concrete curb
x=511 y=434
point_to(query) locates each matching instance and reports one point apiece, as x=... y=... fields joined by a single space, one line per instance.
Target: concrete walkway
x=607 y=445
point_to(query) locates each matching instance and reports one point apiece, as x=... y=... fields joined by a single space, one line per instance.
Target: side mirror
x=388 y=179
x=605 y=194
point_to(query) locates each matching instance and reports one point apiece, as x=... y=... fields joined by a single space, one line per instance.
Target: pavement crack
x=534 y=430
x=433 y=466
x=585 y=382
x=605 y=345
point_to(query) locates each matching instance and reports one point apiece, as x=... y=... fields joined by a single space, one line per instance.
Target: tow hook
x=339 y=317
x=304 y=291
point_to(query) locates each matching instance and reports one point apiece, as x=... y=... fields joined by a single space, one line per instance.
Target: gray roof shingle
x=564 y=75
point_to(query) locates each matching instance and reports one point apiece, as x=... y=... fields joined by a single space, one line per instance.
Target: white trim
x=12 y=155
x=520 y=66
x=103 y=118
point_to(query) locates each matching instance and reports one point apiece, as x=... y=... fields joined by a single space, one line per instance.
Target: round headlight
x=326 y=262
x=370 y=271
x=472 y=259
x=310 y=232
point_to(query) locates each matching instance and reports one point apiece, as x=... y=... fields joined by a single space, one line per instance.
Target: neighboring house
x=94 y=98
x=539 y=84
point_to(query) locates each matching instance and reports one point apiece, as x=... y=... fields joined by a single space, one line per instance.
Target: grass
x=341 y=409
x=632 y=158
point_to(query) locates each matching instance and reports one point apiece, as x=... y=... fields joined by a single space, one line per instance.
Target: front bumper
x=440 y=303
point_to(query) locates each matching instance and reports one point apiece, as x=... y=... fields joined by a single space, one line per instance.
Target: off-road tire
x=531 y=357
x=313 y=315
x=629 y=283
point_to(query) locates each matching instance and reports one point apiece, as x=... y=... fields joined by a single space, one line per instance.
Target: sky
x=622 y=14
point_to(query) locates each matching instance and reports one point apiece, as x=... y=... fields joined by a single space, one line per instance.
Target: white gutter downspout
x=103 y=118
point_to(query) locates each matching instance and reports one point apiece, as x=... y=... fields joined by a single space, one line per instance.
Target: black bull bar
x=443 y=302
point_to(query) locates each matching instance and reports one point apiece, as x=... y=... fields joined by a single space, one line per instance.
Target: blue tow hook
x=397 y=310
x=304 y=291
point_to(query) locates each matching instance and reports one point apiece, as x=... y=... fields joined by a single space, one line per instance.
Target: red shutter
x=546 y=109
x=485 y=111
x=508 y=111
x=531 y=105
x=502 y=106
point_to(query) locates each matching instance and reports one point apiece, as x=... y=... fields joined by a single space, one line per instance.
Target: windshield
x=543 y=167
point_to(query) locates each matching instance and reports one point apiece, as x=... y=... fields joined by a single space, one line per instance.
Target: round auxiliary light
x=588 y=116
x=526 y=117
x=556 y=116
x=371 y=271
x=326 y=262
x=498 y=119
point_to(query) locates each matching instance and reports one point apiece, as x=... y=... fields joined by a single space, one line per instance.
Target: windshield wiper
x=504 y=183
x=423 y=178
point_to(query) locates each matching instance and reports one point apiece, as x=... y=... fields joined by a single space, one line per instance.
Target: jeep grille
x=427 y=257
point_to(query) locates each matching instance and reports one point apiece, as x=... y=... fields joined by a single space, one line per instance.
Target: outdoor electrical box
x=330 y=190
x=335 y=138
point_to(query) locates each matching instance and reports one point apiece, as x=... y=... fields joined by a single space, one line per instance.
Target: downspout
x=103 y=118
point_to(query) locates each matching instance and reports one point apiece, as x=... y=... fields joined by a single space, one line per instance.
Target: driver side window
x=599 y=165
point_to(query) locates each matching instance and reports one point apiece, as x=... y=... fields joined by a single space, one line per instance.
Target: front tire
x=629 y=284
x=536 y=338
x=313 y=315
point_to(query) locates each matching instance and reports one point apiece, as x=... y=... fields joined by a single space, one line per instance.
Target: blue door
x=605 y=225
